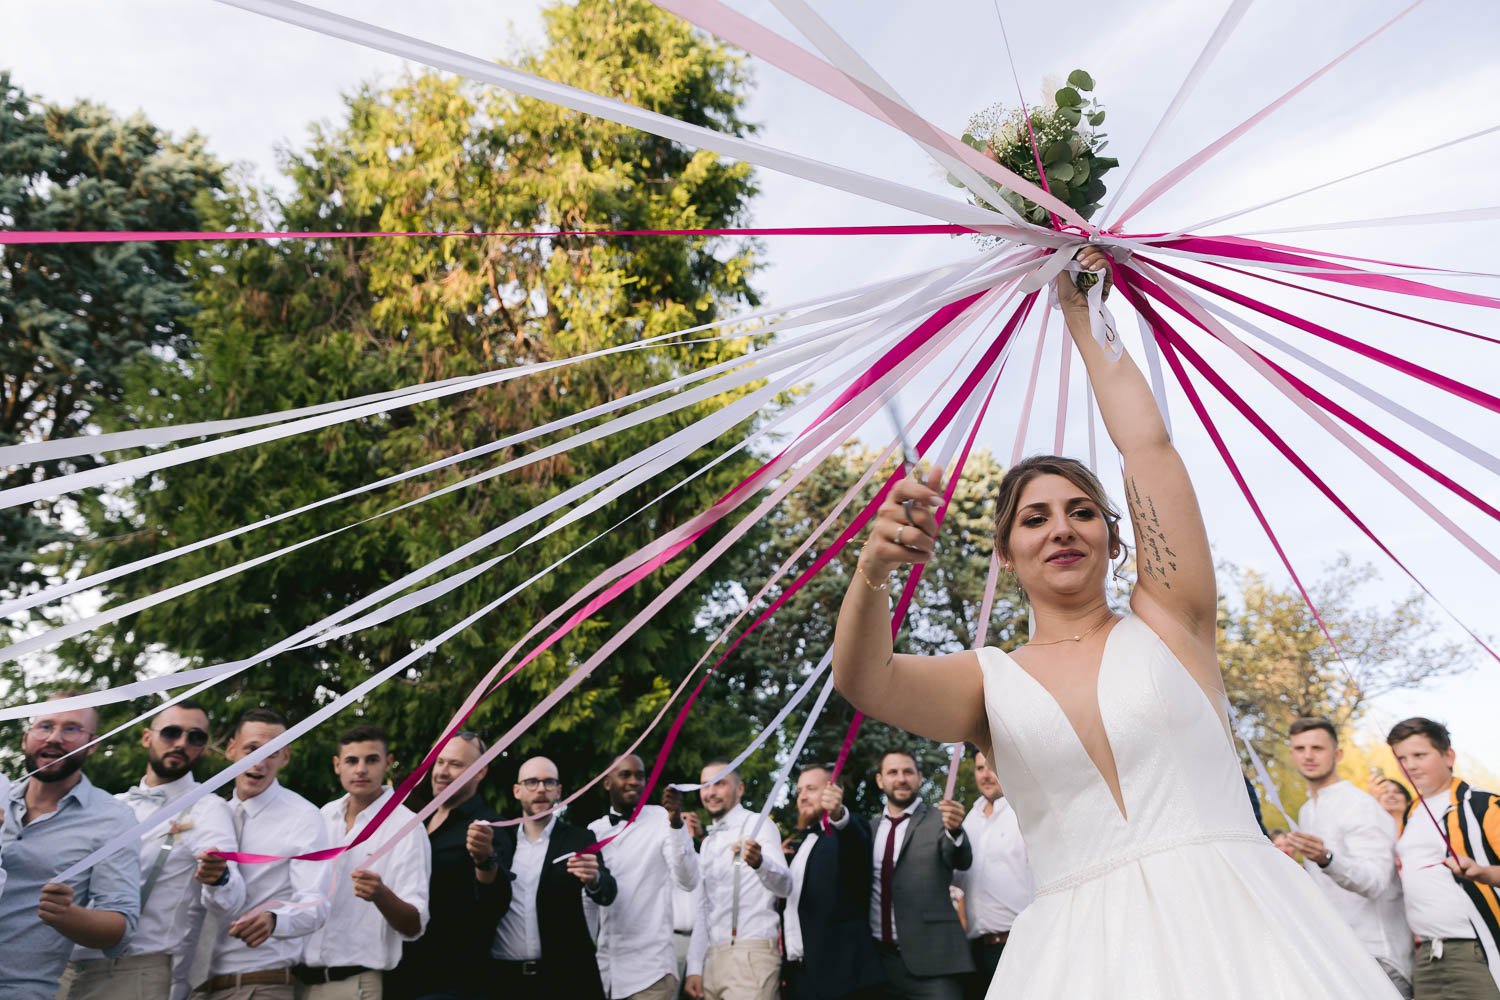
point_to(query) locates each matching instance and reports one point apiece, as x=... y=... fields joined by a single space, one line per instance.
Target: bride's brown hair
x=1008 y=497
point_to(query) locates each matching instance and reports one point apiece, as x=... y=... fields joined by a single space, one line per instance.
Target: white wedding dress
x=1186 y=898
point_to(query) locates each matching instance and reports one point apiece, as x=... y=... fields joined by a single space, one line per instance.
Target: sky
x=252 y=86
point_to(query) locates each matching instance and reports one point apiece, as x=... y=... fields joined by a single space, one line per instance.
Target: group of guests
x=917 y=901
x=1415 y=878
x=210 y=904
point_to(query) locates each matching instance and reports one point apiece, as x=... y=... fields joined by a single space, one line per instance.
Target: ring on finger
x=906 y=509
x=897 y=539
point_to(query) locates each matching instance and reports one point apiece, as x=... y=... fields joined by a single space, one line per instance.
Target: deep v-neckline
x=1116 y=791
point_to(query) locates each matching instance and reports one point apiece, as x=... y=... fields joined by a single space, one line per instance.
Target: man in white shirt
x=733 y=954
x=375 y=906
x=254 y=954
x=1448 y=848
x=648 y=859
x=1349 y=848
x=997 y=886
x=176 y=890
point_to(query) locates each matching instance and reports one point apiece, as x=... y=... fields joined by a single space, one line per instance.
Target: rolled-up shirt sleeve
x=410 y=876
x=682 y=860
x=307 y=910
x=114 y=884
x=213 y=830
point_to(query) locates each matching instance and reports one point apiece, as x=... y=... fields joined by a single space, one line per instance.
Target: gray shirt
x=32 y=954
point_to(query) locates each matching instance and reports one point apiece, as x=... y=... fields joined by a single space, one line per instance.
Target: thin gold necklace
x=1079 y=637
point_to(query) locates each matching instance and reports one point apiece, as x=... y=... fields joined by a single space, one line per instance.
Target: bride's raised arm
x=1174 y=591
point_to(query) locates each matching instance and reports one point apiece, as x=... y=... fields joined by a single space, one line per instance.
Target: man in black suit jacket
x=826 y=924
x=916 y=850
x=543 y=948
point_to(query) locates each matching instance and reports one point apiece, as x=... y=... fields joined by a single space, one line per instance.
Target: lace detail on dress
x=1145 y=850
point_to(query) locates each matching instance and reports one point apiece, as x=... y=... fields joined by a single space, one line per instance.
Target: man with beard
x=916 y=851
x=468 y=893
x=733 y=954
x=177 y=889
x=650 y=858
x=1349 y=849
x=997 y=886
x=54 y=817
x=374 y=905
x=829 y=953
x=253 y=955
x=543 y=947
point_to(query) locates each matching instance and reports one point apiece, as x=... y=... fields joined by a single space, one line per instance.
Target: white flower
x=1051 y=84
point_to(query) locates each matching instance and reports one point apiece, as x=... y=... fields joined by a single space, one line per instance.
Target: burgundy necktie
x=887 y=869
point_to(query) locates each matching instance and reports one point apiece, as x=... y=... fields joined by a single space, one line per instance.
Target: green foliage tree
x=765 y=670
x=291 y=323
x=76 y=319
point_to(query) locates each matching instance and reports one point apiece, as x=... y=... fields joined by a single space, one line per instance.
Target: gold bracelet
x=869 y=582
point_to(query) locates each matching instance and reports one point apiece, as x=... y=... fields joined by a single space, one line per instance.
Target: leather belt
x=312 y=975
x=999 y=937
x=530 y=967
x=265 y=977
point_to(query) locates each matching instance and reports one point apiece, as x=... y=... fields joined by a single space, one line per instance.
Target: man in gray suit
x=916 y=851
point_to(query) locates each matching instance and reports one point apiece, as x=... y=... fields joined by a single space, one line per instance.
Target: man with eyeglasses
x=637 y=957
x=543 y=947
x=177 y=888
x=468 y=892
x=54 y=817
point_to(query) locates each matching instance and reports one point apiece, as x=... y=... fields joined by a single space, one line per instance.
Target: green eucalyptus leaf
x=1103 y=163
x=970 y=139
x=1080 y=79
x=1070 y=115
x=1097 y=118
x=1056 y=152
x=1081 y=168
x=955 y=181
x=1067 y=97
x=1061 y=173
x=1088 y=211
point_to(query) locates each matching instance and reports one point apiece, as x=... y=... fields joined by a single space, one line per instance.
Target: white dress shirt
x=882 y=833
x=277 y=821
x=648 y=860
x=1436 y=907
x=1361 y=881
x=519 y=937
x=998 y=885
x=357 y=933
x=791 y=919
x=759 y=887
x=174 y=913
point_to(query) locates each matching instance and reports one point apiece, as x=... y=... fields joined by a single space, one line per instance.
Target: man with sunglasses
x=543 y=947
x=55 y=817
x=177 y=889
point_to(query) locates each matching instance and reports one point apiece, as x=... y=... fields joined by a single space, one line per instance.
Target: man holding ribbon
x=733 y=954
x=53 y=817
x=649 y=858
x=253 y=955
x=178 y=885
x=375 y=905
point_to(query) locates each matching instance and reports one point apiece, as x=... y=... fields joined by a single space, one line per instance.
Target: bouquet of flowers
x=1067 y=142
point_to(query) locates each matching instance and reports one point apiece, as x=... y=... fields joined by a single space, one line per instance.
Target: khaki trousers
x=368 y=985
x=1460 y=974
x=135 y=977
x=748 y=969
x=664 y=988
x=248 y=993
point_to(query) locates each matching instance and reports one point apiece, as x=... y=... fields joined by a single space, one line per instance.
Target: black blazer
x=454 y=955
x=839 y=956
x=567 y=945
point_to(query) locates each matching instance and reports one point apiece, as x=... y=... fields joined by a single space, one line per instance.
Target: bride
x=1108 y=732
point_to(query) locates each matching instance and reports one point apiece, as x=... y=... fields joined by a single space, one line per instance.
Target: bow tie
x=615 y=819
x=136 y=795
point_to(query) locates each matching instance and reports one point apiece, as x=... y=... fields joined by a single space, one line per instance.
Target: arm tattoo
x=1154 y=557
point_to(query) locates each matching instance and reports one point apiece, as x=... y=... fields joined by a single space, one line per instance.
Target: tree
x=1278 y=665
x=296 y=322
x=75 y=320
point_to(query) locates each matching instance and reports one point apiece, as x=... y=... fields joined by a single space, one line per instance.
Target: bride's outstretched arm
x=1174 y=565
x=939 y=697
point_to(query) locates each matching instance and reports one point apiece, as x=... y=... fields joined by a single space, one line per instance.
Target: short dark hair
x=903 y=751
x=365 y=732
x=1405 y=792
x=719 y=763
x=817 y=767
x=269 y=716
x=469 y=736
x=1307 y=724
x=1436 y=732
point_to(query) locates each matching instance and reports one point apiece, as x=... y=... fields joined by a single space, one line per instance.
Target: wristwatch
x=1326 y=861
x=490 y=863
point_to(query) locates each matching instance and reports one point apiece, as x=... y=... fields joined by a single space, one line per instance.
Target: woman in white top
x=1108 y=731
